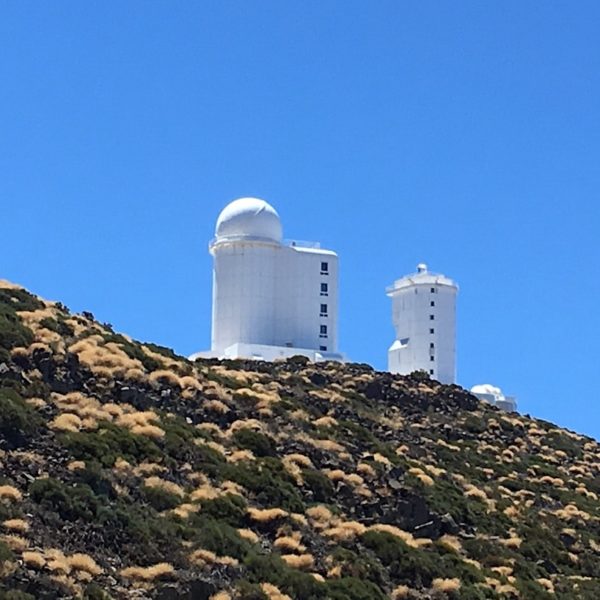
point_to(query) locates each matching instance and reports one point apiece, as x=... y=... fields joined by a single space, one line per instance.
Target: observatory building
x=494 y=395
x=271 y=298
x=424 y=317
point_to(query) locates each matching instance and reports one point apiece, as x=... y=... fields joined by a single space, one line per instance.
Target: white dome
x=249 y=218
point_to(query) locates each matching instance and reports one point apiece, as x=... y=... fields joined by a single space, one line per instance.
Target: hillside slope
x=128 y=472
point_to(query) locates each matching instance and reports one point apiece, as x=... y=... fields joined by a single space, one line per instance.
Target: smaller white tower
x=424 y=317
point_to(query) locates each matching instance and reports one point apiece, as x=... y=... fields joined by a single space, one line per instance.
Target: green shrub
x=15 y=595
x=159 y=499
x=269 y=481
x=258 y=443
x=218 y=537
x=110 y=442
x=5 y=553
x=229 y=508
x=70 y=502
x=351 y=588
x=133 y=350
x=319 y=484
x=17 y=419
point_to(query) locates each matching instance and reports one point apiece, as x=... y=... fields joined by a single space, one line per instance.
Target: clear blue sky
x=464 y=134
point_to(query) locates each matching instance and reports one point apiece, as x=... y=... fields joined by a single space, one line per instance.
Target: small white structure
x=271 y=298
x=424 y=317
x=494 y=395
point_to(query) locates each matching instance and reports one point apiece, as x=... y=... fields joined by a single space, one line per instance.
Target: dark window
x=323 y=348
x=431 y=371
x=432 y=303
x=323 y=309
x=431 y=345
x=432 y=331
x=433 y=290
x=431 y=317
x=324 y=267
x=323 y=330
x=432 y=358
x=324 y=289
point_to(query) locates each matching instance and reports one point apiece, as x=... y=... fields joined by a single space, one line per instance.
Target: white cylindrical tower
x=248 y=239
x=424 y=317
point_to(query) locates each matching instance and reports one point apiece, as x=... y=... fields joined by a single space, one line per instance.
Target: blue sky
x=464 y=134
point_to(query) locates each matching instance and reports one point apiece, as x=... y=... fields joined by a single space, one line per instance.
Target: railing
x=302 y=244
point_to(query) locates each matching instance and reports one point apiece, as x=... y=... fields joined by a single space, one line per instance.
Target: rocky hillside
x=129 y=472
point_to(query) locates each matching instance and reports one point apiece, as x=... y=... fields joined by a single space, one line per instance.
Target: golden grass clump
x=85 y=563
x=222 y=595
x=401 y=592
x=151 y=431
x=405 y=536
x=325 y=421
x=265 y=515
x=248 y=535
x=289 y=544
x=18 y=525
x=343 y=531
x=240 y=456
x=446 y=585
x=76 y=465
x=450 y=542
x=10 y=493
x=163 y=376
x=203 y=558
x=67 y=422
x=157 y=571
x=162 y=484
x=366 y=470
x=216 y=406
x=421 y=476
x=319 y=513
x=34 y=560
x=273 y=593
x=15 y=542
x=303 y=562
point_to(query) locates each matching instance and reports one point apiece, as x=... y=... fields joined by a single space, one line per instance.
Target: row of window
x=324 y=309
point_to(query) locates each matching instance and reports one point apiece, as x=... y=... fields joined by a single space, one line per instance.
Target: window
x=432 y=303
x=324 y=268
x=432 y=358
x=433 y=290
x=323 y=348
x=323 y=310
x=431 y=317
x=323 y=331
x=324 y=289
x=431 y=371
x=432 y=330
x=431 y=345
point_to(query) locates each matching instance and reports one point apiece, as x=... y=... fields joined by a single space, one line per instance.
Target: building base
x=268 y=353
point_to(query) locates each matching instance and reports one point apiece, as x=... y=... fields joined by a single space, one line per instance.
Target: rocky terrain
x=129 y=472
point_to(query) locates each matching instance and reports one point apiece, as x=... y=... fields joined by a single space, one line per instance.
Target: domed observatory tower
x=271 y=298
x=424 y=317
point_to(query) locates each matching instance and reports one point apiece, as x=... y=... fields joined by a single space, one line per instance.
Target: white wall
x=270 y=294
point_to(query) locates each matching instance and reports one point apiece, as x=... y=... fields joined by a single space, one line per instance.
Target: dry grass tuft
x=158 y=571
x=10 y=493
x=18 y=525
x=446 y=585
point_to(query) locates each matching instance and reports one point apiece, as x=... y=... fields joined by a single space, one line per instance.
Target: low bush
x=17 y=419
x=70 y=502
x=269 y=481
x=258 y=443
x=110 y=442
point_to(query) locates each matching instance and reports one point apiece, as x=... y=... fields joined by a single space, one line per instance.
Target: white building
x=494 y=395
x=424 y=317
x=271 y=298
